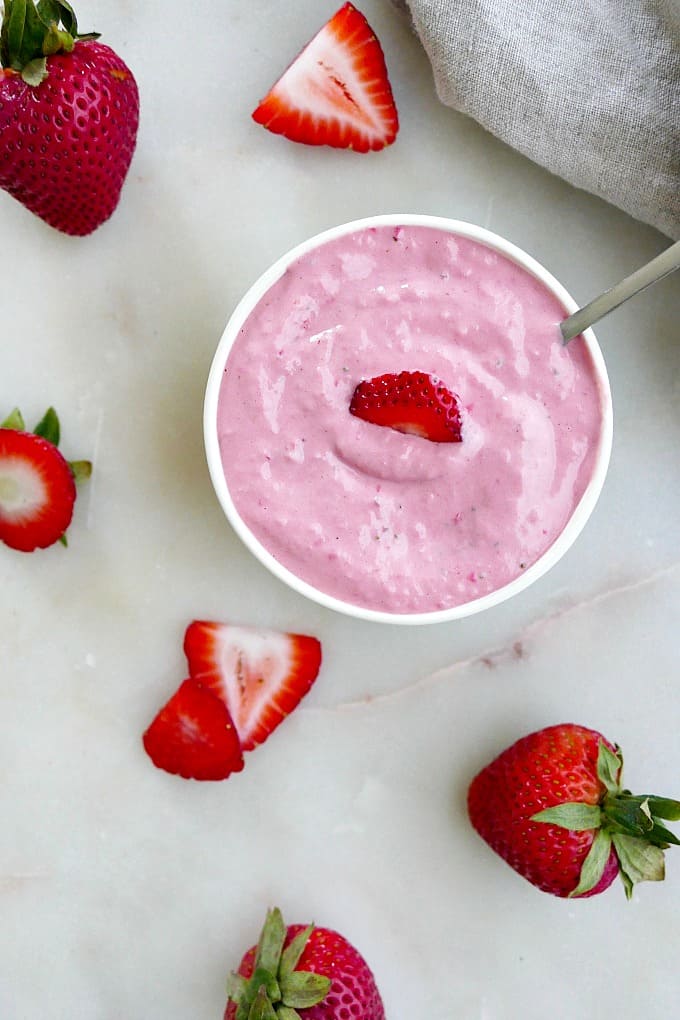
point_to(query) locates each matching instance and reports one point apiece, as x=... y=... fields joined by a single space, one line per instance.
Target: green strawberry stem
x=32 y=31
x=632 y=825
x=276 y=991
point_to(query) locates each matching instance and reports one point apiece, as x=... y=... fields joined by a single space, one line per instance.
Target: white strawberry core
x=259 y=664
x=191 y=730
x=22 y=490
x=323 y=79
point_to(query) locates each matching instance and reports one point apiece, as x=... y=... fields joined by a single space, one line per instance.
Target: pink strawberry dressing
x=371 y=516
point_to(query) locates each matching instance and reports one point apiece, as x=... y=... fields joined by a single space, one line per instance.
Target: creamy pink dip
x=389 y=521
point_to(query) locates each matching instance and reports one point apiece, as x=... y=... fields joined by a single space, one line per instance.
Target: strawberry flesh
x=411 y=402
x=193 y=736
x=336 y=92
x=259 y=675
x=66 y=144
x=37 y=491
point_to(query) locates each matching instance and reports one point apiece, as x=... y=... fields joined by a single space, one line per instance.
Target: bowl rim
x=250 y=299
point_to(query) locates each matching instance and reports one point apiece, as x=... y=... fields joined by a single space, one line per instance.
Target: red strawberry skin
x=66 y=144
x=260 y=675
x=40 y=519
x=353 y=993
x=411 y=402
x=336 y=92
x=553 y=766
x=193 y=736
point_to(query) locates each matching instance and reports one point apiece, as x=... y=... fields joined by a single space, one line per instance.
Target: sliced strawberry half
x=411 y=402
x=37 y=491
x=193 y=736
x=260 y=675
x=336 y=92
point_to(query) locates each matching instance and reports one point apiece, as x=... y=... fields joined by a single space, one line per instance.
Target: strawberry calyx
x=48 y=428
x=276 y=990
x=632 y=825
x=31 y=32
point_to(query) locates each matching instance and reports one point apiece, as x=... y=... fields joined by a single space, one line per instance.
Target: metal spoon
x=667 y=262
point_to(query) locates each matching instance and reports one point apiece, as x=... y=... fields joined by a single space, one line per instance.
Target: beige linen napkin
x=590 y=89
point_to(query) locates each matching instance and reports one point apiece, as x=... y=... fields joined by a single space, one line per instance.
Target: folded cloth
x=590 y=89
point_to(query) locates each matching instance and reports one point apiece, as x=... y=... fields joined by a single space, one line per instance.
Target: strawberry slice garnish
x=193 y=736
x=259 y=675
x=336 y=92
x=37 y=485
x=411 y=402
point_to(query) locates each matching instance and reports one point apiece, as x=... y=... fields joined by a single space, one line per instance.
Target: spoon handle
x=667 y=262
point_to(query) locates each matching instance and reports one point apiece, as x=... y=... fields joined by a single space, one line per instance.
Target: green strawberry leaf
x=48 y=427
x=609 y=766
x=81 y=470
x=628 y=815
x=35 y=71
x=276 y=989
x=660 y=836
x=4 y=34
x=54 y=11
x=13 y=25
x=32 y=31
x=261 y=1008
x=49 y=11
x=292 y=953
x=25 y=33
x=638 y=859
x=236 y=987
x=594 y=864
x=573 y=816
x=627 y=884
x=270 y=946
x=302 y=989
x=662 y=807
x=260 y=980
x=15 y=420
x=634 y=816
x=64 y=541
x=263 y=979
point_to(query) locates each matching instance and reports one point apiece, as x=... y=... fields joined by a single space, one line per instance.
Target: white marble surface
x=125 y=892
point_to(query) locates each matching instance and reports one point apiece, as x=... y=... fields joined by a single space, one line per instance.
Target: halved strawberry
x=193 y=736
x=411 y=402
x=37 y=485
x=260 y=675
x=336 y=92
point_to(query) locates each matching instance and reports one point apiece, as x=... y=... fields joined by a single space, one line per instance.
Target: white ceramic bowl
x=244 y=308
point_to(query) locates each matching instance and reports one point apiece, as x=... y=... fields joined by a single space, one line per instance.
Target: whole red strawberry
x=302 y=973
x=69 y=112
x=552 y=806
